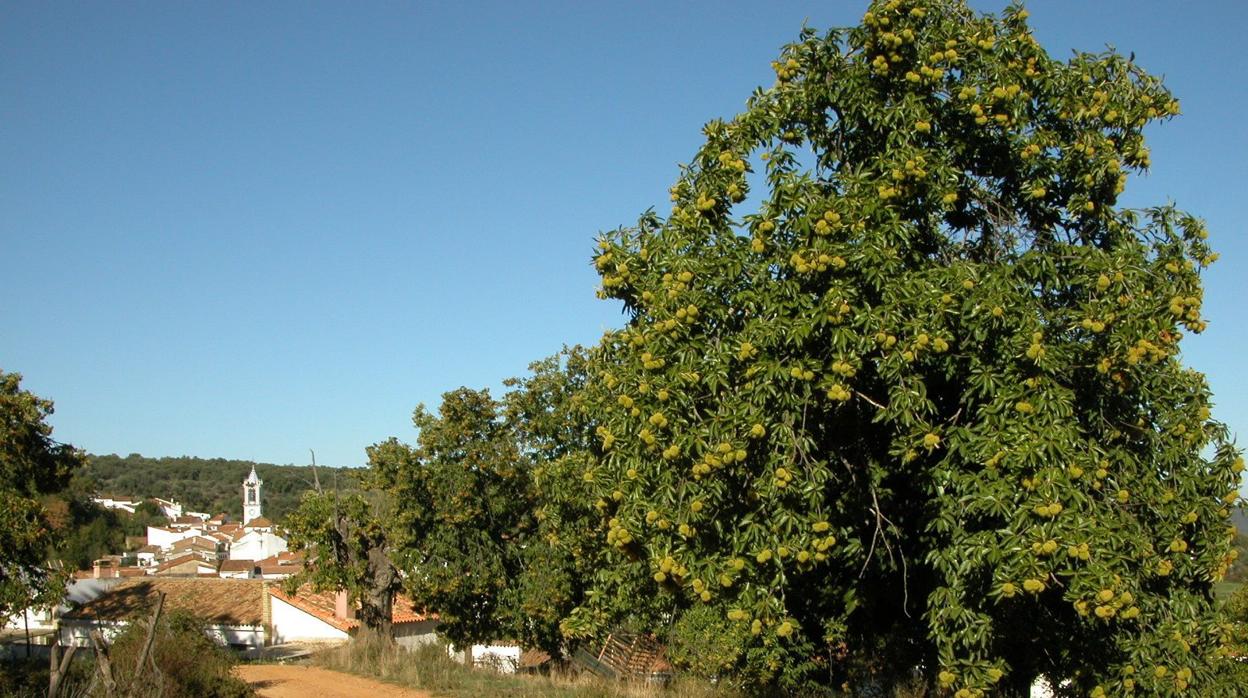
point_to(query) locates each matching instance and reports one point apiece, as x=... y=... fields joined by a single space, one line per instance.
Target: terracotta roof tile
x=237 y=565
x=258 y=522
x=197 y=542
x=284 y=562
x=287 y=570
x=286 y=557
x=225 y=601
x=170 y=564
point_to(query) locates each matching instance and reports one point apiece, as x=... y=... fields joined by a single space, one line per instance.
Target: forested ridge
x=211 y=485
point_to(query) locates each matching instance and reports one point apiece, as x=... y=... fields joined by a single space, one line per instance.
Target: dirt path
x=293 y=681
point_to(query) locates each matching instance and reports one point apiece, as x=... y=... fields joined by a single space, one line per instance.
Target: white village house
x=257 y=541
x=213 y=538
x=223 y=572
x=234 y=609
x=327 y=617
x=126 y=504
x=241 y=613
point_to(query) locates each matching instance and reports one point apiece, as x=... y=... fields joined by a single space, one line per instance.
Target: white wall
x=257 y=545
x=163 y=538
x=34 y=618
x=504 y=658
x=246 y=635
x=78 y=633
x=170 y=509
x=124 y=505
x=291 y=624
x=413 y=635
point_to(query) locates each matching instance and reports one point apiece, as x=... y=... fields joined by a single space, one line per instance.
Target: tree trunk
x=377 y=601
x=377 y=605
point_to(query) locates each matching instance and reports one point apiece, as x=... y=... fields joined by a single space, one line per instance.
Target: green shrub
x=706 y=644
x=190 y=664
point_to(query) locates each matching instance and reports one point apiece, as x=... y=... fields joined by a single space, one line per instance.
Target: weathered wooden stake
x=60 y=665
x=147 y=643
x=103 y=666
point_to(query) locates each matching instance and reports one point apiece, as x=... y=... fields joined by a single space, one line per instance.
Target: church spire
x=251 y=496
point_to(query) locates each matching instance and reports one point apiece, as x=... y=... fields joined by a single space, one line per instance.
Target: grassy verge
x=429 y=668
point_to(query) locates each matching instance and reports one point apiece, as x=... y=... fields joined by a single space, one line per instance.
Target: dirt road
x=293 y=681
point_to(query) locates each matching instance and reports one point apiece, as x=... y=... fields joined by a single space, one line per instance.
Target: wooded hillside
x=209 y=485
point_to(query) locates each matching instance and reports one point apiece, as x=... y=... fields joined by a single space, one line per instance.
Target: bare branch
x=316 y=478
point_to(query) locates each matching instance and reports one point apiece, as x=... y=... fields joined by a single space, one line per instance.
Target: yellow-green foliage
x=902 y=379
x=33 y=466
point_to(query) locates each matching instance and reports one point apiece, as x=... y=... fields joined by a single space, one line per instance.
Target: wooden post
x=151 y=637
x=54 y=680
x=103 y=667
x=60 y=665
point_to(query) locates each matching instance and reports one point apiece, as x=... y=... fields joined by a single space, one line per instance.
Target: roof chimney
x=343 y=610
x=104 y=569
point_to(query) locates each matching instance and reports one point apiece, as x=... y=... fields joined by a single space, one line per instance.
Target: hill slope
x=209 y=485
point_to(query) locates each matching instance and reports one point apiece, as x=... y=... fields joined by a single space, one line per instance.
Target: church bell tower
x=251 y=496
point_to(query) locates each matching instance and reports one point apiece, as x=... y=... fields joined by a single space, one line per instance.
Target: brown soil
x=294 y=681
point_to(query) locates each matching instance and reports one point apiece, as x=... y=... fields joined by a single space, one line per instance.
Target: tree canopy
x=32 y=466
x=347 y=538
x=459 y=516
x=900 y=383
x=899 y=394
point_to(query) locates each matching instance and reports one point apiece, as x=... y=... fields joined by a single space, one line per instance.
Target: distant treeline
x=210 y=485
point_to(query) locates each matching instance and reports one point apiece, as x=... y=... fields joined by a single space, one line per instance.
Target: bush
x=705 y=644
x=190 y=664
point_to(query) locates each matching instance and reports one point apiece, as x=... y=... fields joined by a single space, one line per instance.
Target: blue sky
x=250 y=229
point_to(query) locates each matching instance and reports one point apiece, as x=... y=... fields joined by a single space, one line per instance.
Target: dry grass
x=429 y=668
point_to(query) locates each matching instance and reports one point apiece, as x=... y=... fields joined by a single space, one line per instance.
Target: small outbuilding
x=235 y=609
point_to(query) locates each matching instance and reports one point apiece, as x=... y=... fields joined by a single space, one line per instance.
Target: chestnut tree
x=900 y=384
